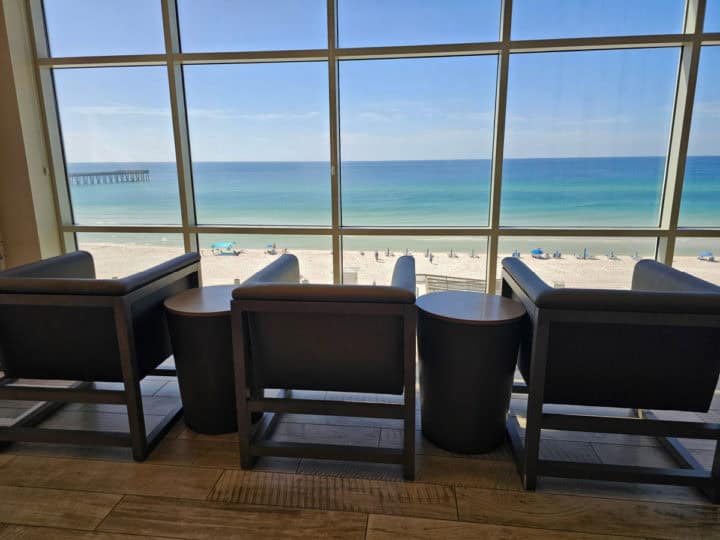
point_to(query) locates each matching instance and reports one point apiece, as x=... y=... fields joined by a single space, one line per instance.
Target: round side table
x=468 y=345
x=201 y=335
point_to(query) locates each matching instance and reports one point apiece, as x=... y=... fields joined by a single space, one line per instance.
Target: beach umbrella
x=222 y=245
x=537 y=251
x=706 y=254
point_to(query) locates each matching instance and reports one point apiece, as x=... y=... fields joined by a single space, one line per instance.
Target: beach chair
x=57 y=322
x=655 y=347
x=330 y=338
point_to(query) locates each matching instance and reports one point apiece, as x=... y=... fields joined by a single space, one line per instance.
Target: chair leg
x=409 y=446
x=532 y=446
x=136 y=419
x=244 y=423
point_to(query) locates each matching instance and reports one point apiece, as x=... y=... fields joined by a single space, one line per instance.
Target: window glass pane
x=588 y=18
x=441 y=262
x=586 y=137
x=712 y=16
x=699 y=257
x=116 y=125
x=700 y=205
x=117 y=255
x=260 y=143
x=252 y=25
x=595 y=263
x=368 y=23
x=232 y=258
x=416 y=140
x=107 y=27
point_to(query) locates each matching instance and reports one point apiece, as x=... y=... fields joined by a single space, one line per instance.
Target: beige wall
x=28 y=224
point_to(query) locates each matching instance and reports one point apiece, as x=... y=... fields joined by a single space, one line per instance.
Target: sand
x=116 y=260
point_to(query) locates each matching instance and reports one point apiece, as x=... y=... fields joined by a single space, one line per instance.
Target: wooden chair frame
x=53 y=397
x=254 y=440
x=526 y=449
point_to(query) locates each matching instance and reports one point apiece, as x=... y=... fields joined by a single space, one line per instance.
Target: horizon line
x=400 y=160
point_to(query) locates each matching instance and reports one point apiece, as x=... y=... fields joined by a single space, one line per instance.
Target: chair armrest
x=404 y=274
x=324 y=293
x=528 y=281
x=654 y=276
x=285 y=269
x=75 y=265
x=546 y=297
x=136 y=281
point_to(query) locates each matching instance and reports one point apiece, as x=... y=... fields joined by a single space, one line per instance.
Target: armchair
x=57 y=322
x=345 y=338
x=656 y=346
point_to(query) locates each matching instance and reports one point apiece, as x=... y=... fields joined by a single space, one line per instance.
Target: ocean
x=544 y=192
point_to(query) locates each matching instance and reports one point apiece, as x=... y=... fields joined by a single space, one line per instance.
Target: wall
x=28 y=223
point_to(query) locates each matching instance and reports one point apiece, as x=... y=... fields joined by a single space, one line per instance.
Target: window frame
x=690 y=43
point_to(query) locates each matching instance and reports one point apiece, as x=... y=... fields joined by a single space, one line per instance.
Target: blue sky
x=594 y=103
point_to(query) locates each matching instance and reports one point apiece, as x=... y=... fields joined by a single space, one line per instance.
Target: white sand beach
x=117 y=260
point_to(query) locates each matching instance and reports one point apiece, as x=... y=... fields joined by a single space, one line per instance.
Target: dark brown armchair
x=656 y=346
x=346 y=338
x=58 y=322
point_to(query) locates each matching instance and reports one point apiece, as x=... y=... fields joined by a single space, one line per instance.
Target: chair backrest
x=56 y=322
x=655 y=347
x=324 y=337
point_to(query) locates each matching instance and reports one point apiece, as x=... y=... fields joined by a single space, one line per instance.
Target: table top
x=204 y=302
x=470 y=307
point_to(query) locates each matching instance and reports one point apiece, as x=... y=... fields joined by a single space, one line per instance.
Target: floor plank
x=110 y=477
x=329 y=493
x=54 y=508
x=15 y=532
x=207 y=520
x=467 y=472
x=393 y=527
x=588 y=514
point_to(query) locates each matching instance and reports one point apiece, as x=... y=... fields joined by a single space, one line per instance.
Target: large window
x=701 y=189
x=259 y=139
x=586 y=137
x=416 y=140
x=351 y=132
x=118 y=142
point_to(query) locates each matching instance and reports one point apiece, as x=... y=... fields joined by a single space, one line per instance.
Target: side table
x=201 y=335
x=468 y=344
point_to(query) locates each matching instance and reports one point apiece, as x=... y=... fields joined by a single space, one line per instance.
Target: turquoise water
x=574 y=192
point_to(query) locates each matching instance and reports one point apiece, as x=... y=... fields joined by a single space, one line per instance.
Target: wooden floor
x=191 y=487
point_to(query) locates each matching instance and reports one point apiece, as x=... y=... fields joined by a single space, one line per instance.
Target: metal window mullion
x=180 y=125
x=680 y=130
x=334 y=113
x=498 y=146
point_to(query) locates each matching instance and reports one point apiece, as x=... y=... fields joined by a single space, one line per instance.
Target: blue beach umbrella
x=706 y=254
x=537 y=251
x=222 y=245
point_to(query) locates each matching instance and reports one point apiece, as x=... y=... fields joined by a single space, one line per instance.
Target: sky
x=569 y=104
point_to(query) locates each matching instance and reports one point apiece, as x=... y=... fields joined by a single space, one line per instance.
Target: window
x=252 y=25
x=587 y=18
x=416 y=140
x=259 y=138
x=440 y=262
x=370 y=23
x=701 y=188
x=386 y=141
x=586 y=137
x=712 y=16
x=118 y=142
x=118 y=255
x=228 y=258
x=588 y=262
x=109 y=27
x=699 y=257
